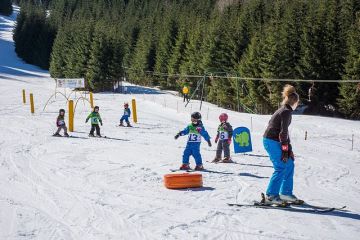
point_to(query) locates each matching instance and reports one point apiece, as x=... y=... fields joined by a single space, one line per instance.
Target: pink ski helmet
x=223 y=117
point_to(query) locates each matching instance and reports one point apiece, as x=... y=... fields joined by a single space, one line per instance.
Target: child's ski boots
x=66 y=135
x=227 y=160
x=216 y=160
x=91 y=135
x=185 y=167
x=57 y=135
x=199 y=168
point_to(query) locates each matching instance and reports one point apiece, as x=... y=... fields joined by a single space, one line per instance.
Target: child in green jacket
x=95 y=120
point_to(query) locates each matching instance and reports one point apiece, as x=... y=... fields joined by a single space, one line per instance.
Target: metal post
x=91 y=100
x=202 y=92
x=71 y=115
x=251 y=119
x=134 y=110
x=32 y=108
x=237 y=92
x=23 y=96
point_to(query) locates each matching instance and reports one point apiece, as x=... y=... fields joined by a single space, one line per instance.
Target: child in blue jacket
x=195 y=130
x=125 y=116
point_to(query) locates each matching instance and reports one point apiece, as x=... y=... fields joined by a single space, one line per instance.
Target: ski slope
x=75 y=188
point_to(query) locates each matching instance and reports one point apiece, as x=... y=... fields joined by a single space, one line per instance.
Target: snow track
x=90 y=188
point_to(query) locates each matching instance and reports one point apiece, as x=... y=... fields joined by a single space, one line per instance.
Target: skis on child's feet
x=96 y=136
x=122 y=125
x=68 y=136
x=59 y=135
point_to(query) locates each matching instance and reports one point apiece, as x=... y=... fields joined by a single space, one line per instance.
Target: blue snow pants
x=192 y=149
x=124 y=117
x=282 y=179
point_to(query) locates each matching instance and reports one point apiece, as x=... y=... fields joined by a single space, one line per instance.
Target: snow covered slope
x=60 y=188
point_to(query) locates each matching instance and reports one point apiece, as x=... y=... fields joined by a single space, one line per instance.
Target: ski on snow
x=96 y=137
x=300 y=206
x=204 y=170
x=290 y=207
x=110 y=138
x=179 y=170
x=70 y=136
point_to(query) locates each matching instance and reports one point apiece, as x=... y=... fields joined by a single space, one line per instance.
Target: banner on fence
x=242 y=140
x=70 y=83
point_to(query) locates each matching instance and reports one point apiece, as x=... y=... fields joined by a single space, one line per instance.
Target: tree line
x=104 y=41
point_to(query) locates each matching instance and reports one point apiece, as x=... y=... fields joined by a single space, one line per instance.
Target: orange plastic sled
x=183 y=180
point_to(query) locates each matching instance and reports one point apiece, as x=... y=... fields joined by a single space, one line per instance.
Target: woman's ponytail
x=289 y=95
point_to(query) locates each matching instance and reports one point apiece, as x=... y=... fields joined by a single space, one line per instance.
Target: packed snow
x=81 y=188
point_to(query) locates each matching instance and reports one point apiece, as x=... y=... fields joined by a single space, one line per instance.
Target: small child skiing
x=95 y=120
x=125 y=116
x=195 y=130
x=60 y=123
x=223 y=139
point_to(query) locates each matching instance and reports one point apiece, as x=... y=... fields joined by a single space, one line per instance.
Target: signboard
x=70 y=83
x=242 y=140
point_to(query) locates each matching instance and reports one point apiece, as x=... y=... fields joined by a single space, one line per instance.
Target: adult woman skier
x=277 y=143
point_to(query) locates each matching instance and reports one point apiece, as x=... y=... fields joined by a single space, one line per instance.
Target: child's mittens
x=177 y=136
x=209 y=143
x=229 y=141
x=216 y=139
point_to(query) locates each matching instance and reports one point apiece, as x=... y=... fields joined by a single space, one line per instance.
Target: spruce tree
x=97 y=73
x=349 y=100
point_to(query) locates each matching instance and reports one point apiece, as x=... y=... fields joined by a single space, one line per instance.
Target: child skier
x=60 y=123
x=95 y=120
x=125 y=116
x=195 y=130
x=223 y=139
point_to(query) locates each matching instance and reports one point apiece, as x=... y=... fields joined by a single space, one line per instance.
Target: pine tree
x=349 y=101
x=60 y=49
x=177 y=54
x=168 y=34
x=249 y=67
x=97 y=72
x=143 y=57
x=33 y=36
x=79 y=37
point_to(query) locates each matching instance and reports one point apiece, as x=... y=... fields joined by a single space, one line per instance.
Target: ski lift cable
x=249 y=78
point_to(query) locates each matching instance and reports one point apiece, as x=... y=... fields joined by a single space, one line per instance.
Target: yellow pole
x=134 y=110
x=71 y=115
x=23 y=95
x=32 y=108
x=91 y=100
